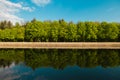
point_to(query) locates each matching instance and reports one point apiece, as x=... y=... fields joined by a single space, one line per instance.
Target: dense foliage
x=60 y=31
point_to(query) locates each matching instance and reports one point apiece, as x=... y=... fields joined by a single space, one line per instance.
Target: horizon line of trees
x=59 y=31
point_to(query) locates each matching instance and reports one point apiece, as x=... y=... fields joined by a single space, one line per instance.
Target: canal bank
x=61 y=45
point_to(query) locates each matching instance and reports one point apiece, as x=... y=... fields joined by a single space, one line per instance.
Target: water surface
x=45 y=64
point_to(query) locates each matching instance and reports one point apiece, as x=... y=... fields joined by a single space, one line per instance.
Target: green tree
x=81 y=31
x=71 y=32
x=54 y=31
x=91 y=31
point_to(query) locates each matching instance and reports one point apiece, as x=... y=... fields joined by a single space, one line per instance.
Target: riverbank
x=61 y=45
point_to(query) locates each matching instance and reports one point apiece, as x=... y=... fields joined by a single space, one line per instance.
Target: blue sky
x=69 y=10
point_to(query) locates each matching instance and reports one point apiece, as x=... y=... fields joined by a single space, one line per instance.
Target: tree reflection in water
x=59 y=59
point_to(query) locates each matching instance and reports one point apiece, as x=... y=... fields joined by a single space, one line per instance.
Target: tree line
x=60 y=31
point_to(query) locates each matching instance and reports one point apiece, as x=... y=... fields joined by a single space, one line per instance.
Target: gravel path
x=61 y=45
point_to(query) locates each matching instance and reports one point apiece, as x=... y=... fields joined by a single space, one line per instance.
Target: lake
x=59 y=64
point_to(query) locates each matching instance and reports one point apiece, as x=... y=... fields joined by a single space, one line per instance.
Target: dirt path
x=61 y=45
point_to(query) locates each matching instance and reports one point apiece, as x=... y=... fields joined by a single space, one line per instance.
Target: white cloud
x=8 y=10
x=41 y=3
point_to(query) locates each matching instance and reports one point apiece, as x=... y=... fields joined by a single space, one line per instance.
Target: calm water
x=59 y=64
